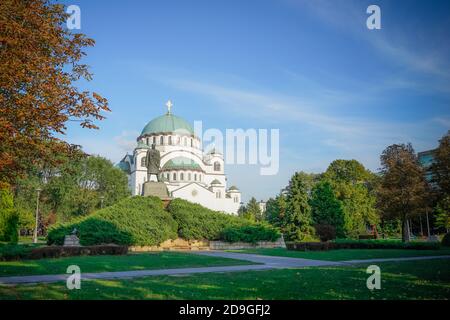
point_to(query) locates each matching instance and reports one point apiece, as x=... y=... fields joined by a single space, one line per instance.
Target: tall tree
x=298 y=222
x=251 y=211
x=39 y=66
x=276 y=210
x=75 y=188
x=254 y=210
x=326 y=209
x=353 y=186
x=403 y=189
x=443 y=213
x=441 y=166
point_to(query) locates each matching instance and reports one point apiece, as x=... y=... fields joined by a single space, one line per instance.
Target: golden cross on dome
x=169 y=105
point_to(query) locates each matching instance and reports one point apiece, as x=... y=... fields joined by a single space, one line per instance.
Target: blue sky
x=312 y=69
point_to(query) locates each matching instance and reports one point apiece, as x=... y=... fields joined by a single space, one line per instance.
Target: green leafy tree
x=443 y=213
x=297 y=223
x=254 y=210
x=403 y=191
x=276 y=210
x=74 y=188
x=326 y=209
x=251 y=211
x=441 y=166
x=354 y=187
x=9 y=219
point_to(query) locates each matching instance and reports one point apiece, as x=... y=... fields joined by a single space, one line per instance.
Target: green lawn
x=138 y=261
x=401 y=280
x=347 y=254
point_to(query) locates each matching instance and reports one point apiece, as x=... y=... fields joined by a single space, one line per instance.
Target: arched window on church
x=161 y=140
x=143 y=163
x=154 y=140
x=189 y=176
x=170 y=140
x=147 y=141
x=195 y=177
x=174 y=176
x=181 y=176
x=217 y=166
x=192 y=142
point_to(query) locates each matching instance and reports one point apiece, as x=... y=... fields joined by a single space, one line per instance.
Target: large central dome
x=167 y=123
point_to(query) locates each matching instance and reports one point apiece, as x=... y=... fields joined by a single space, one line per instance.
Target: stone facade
x=71 y=241
x=195 y=245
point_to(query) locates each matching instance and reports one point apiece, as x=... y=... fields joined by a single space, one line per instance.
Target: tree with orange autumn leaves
x=39 y=67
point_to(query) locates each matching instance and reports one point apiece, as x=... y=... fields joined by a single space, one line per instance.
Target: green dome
x=215 y=181
x=181 y=163
x=167 y=123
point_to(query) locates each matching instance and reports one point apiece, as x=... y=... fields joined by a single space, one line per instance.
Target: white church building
x=188 y=172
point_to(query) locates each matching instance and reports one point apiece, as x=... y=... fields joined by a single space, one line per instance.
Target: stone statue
x=153 y=161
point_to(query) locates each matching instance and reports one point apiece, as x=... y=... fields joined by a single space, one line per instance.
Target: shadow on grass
x=405 y=280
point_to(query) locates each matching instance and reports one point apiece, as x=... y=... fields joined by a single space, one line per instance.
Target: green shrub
x=15 y=251
x=132 y=221
x=386 y=244
x=446 y=240
x=59 y=252
x=363 y=244
x=250 y=233
x=197 y=222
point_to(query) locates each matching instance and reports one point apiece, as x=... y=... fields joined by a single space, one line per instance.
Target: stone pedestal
x=71 y=241
x=156 y=189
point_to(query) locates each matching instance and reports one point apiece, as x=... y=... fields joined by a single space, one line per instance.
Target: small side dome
x=214 y=151
x=124 y=166
x=181 y=163
x=142 y=145
x=216 y=182
x=233 y=189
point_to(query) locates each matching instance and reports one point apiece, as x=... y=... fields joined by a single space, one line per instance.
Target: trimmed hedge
x=59 y=251
x=15 y=251
x=132 y=221
x=250 y=233
x=197 y=222
x=361 y=244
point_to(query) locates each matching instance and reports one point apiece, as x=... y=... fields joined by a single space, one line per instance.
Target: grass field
x=401 y=280
x=138 y=261
x=347 y=254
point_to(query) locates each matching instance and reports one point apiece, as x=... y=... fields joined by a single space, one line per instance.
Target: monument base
x=71 y=241
x=156 y=189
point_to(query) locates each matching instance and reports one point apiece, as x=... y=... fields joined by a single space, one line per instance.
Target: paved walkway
x=272 y=261
x=266 y=263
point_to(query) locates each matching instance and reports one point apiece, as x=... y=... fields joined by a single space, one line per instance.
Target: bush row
x=250 y=233
x=197 y=222
x=361 y=244
x=59 y=251
x=14 y=251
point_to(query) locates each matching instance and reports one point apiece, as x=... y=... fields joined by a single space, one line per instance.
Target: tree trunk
x=405 y=230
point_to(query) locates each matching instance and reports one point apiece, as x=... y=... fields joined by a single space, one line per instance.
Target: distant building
x=426 y=159
x=262 y=206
